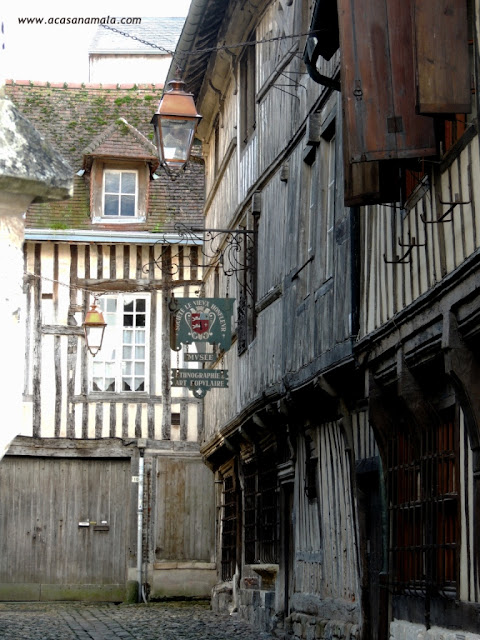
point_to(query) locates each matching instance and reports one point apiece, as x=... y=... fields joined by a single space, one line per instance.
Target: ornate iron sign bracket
x=230 y=250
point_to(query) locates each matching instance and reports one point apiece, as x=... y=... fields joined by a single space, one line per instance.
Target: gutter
x=193 y=21
x=108 y=237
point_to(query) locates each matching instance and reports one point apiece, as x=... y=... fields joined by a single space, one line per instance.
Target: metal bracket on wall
x=405 y=259
x=443 y=217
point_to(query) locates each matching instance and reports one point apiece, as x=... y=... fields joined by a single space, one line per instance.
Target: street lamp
x=94 y=328
x=175 y=124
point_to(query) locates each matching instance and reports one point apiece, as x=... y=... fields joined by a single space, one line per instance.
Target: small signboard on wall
x=203 y=320
x=199 y=381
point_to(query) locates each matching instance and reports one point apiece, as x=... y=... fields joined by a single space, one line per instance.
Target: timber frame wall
x=57 y=397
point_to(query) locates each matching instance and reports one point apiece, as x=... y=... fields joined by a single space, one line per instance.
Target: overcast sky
x=59 y=53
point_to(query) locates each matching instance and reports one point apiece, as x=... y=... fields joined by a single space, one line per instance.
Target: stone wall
x=402 y=630
x=300 y=626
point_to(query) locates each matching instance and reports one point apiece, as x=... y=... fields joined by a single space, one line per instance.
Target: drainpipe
x=141 y=461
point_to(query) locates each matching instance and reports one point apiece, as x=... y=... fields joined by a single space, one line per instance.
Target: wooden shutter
x=378 y=83
x=371 y=183
x=442 y=56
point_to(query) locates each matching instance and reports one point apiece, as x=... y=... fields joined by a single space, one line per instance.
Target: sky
x=59 y=52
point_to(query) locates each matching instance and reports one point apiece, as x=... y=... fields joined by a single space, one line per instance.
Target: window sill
x=119 y=221
x=118 y=396
x=268 y=574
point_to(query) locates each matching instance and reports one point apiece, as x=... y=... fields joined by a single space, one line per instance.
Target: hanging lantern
x=94 y=328
x=175 y=124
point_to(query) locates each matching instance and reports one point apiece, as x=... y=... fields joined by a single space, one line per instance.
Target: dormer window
x=120 y=192
x=119 y=162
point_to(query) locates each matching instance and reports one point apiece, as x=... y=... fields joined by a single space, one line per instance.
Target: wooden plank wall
x=388 y=288
x=45 y=544
x=303 y=308
x=57 y=399
x=326 y=540
x=183 y=486
x=299 y=318
x=364 y=443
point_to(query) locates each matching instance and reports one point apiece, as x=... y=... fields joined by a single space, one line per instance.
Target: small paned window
x=119 y=194
x=121 y=363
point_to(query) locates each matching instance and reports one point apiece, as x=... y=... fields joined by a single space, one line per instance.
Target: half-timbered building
x=341 y=155
x=104 y=493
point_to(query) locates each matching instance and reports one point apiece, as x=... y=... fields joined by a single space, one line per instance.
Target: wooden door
x=374 y=597
x=185 y=510
x=63 y=526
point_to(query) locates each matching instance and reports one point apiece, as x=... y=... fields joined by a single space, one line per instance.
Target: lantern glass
x=176 y=140
x=175 y=124
x=94 y=338
x=94 y=328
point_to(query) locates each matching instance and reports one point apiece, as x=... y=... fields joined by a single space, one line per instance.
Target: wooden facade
x=346 y=448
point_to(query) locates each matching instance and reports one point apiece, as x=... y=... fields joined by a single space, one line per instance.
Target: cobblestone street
x=156 y=621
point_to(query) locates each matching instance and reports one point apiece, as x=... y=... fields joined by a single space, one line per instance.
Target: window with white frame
x=120 y=193
x=121 y=365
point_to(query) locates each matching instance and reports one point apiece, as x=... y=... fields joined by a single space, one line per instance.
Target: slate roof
x=162 y=32
x=83 y=120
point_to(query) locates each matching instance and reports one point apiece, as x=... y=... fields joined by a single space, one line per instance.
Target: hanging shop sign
x=199 y=381
x=203 y=320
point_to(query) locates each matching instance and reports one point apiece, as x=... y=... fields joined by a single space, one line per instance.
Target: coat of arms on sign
x=201 y=322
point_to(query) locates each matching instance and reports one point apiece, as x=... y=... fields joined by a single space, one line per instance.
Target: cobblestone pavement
x=153 y=621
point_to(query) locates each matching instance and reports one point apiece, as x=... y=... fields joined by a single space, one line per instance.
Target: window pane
x=109 y=369
x=128 y=182
x=120 y=365
x=128 y=206
x=111 y=319
x=112 y=182
x=97 y=368
x=111 y=205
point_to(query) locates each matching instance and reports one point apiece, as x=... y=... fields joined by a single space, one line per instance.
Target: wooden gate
x=63 y=528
